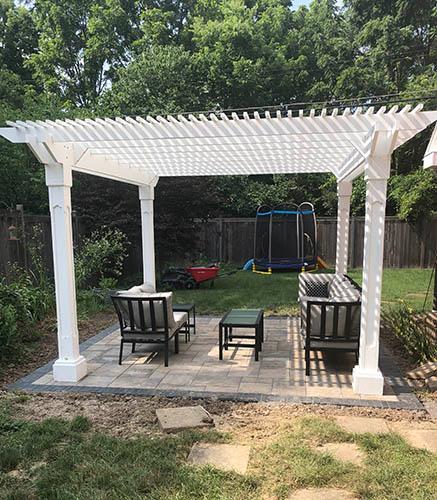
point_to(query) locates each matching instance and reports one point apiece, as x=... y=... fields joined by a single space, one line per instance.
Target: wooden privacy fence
x=227 y=240
x=20 y=231
x=231 y=240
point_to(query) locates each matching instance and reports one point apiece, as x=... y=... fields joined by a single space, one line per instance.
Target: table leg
x=257 y=343
x=220 y=341
x=260 y=335
x=194 y=320
x=226 y=338
x=262 y=327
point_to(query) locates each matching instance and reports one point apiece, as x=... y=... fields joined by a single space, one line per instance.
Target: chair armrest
x=307 y=298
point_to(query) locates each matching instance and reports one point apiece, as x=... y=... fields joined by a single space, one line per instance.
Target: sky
x=298 y=3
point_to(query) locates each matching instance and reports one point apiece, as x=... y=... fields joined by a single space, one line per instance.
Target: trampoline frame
x=266 y=264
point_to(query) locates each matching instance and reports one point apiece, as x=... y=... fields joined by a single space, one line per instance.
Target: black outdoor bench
x=330 y=323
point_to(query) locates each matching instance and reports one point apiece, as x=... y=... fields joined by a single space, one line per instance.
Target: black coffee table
x=241 y=318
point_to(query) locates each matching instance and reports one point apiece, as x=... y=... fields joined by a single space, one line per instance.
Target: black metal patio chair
x=148 y=320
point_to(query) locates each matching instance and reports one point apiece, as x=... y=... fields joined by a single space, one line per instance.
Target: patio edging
x=407 y=400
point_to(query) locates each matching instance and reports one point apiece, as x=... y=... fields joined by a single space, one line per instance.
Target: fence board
x=36 y=231
x=231 y=240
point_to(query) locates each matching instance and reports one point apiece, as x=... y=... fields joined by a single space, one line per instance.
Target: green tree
x=80 y=44
x=162 y=79
x=18 y=38
x=244 y=51
x=394 y=40
x=414 y=195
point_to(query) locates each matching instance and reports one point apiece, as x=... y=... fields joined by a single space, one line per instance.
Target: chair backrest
x=333 y=320
x=143 y=314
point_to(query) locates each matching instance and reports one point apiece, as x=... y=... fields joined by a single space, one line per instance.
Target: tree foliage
x=133 y=57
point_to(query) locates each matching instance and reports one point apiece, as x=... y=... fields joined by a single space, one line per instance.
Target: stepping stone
x=361 y=425
x=431 y=408
x=228 y=457
x=418 y=434
x=322 y=493
x=346 y=452
x=183 y=418
x=421 y=438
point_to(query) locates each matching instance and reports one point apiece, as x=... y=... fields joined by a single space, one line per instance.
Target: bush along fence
x=231 y=240
x=27 y=289
x=18 y=229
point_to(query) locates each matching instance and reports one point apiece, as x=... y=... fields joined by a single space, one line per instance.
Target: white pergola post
x=344 y=192
x=70 y=365
x=146 y=194
x=367 y=377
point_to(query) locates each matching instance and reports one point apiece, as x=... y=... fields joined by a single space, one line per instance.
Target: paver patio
x=196 y=371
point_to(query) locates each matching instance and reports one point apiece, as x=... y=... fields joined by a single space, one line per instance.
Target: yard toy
x=192 y=277
x=285 y=239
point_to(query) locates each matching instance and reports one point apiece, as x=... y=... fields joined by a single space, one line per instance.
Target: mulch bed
x=45 y=348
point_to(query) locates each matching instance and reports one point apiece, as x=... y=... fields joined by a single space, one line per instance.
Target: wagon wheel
x=190 y=284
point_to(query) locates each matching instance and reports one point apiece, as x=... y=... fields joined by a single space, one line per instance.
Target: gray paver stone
x=223 y=456
x=346 y=452
x=363 y=424
x=322 y=493
x=183 y=418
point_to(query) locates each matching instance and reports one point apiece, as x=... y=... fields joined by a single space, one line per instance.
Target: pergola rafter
x=140 y=150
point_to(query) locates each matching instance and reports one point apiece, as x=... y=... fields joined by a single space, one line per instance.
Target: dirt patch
x=127 y=416
x=44 y=349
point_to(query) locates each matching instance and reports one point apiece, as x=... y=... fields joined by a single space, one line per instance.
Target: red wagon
x=201 y=274
x=191 y=277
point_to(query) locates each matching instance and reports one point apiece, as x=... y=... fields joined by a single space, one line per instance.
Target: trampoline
x=285 y=238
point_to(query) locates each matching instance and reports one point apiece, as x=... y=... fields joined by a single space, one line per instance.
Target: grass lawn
x=277 y=294
x=63 y=459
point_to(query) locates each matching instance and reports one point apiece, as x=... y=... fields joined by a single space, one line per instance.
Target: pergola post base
x=367 y=381
x=69 y=370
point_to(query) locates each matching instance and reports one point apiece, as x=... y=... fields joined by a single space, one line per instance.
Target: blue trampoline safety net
x=285 y=238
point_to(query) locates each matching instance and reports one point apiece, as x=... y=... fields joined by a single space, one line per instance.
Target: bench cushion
x=180 y=318
x=318 y=344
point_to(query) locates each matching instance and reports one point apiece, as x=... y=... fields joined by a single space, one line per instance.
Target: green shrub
x=410 y=328
x=25 y=298
x=80 y=424
x=10 y=457
x=8 y=329
x=31 y=301
x=99 y=261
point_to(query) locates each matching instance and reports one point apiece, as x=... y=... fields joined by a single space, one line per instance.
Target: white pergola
x=140 y=150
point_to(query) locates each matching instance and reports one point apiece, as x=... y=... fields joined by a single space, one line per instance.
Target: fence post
x=20 y=210
x=352 y=242
x=221 y=239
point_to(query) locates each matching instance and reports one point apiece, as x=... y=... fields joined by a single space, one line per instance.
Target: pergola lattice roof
x=139 y=149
